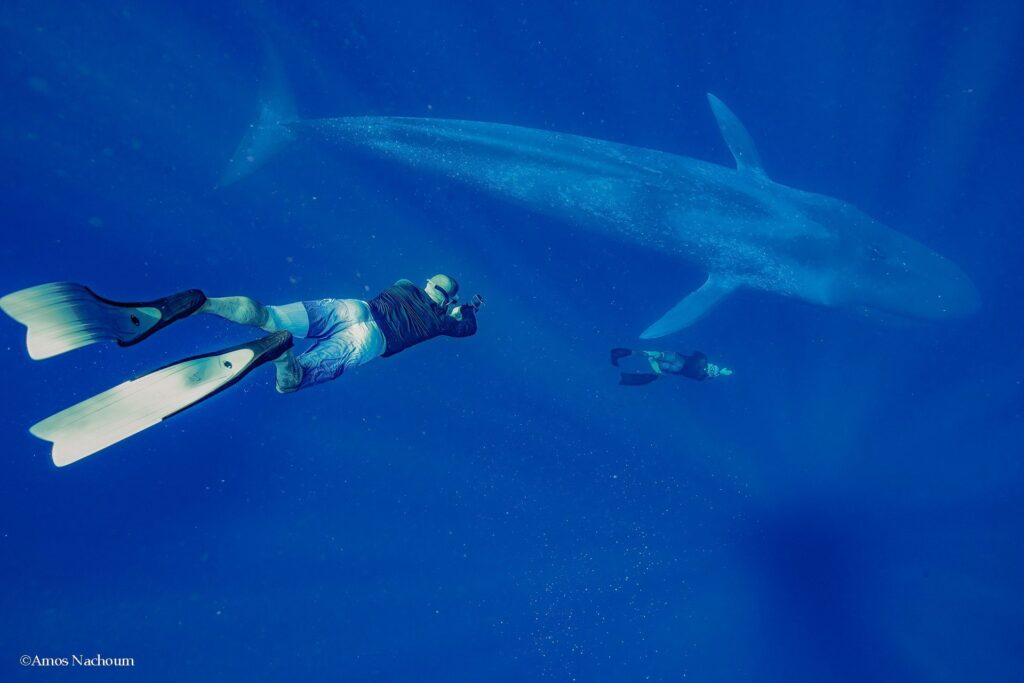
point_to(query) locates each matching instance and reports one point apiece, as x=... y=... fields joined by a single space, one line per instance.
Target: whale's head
x=881 y=269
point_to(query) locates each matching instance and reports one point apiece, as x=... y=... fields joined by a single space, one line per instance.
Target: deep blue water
x=846 y=507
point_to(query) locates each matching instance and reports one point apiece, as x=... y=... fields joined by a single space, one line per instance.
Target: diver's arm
x=654 y=360
x=461 y=321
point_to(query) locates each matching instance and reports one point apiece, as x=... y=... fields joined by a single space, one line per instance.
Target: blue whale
x=736 y=224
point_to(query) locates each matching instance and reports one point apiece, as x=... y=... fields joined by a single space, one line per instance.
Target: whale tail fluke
x=268 y=134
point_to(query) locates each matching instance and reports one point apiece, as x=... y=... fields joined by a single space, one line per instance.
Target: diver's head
x=442 y=289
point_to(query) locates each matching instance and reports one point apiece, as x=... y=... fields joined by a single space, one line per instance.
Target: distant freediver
x=62 y=316
x=694 y=366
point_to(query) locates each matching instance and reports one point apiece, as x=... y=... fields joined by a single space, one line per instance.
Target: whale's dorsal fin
x=736 y=136
x=696 y=304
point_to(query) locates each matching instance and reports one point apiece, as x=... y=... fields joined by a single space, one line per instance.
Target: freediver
x=352 y=332
x=346 y=333
x=694 y=366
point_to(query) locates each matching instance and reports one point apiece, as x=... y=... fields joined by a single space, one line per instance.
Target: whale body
x=736 y=224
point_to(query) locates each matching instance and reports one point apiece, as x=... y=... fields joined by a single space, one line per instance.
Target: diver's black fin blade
x=62 y=316
x=131 y=407
x=637 y=379
x=618 y=354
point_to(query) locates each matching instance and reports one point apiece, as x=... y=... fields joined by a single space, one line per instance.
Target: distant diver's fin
x=687 y=311
x=736 y=136
x=133 y=406
x=62 y=316
x=636 y=379
x=270 y=133
x=618 y=354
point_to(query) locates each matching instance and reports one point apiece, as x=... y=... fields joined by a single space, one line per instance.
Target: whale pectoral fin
x=736 y=136
x=687 y=311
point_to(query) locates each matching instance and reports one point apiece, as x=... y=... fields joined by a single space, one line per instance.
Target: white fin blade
x=131 y=407
x=63 y=316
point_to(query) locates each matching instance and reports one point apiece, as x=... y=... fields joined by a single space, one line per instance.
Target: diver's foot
x=289 y=372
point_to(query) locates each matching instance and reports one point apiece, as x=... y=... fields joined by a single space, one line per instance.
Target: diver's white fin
x=736 y=136
x=62 y=316
x=133 y=406
x=691 y=308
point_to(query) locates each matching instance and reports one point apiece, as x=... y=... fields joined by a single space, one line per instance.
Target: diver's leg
x=318 y=319
x=655 y=359
x=323 y=362
x=291 y=317
x=245 y=311
x=355 y=344
x=664 y=361
x=289 y=372
x=238 y=309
